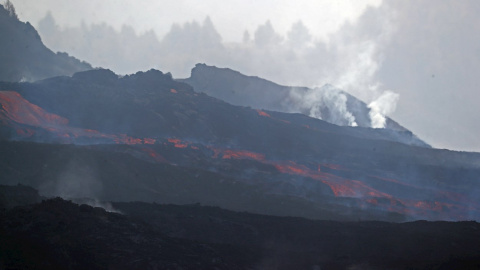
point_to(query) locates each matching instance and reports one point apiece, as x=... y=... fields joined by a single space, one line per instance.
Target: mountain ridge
x=239 y=89
x=25 y=58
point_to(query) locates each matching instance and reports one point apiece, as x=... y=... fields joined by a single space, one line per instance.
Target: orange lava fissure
x=177 y=143
x=20 y=110
x=232 y=154
x=262 y=113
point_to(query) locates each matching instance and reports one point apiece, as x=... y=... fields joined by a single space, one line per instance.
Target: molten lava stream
x=124 y=139
x=149 y=141
x=20 y=110
x=442 y=201
x=232 y=154
x=368 y=196
x=262 y=113
x=340 y=187
x=177 y=143
x=17 y=110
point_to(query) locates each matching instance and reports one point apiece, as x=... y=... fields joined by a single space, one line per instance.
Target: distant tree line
x=10 y=8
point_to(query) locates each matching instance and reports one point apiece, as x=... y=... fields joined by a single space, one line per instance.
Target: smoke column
x=385 y=104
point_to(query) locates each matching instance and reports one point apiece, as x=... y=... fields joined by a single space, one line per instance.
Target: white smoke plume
x=75 y=180
x=319 y=101
x=359 y=57
x=358 y=64
x=354 y=60
x=381 y=107
x=78 y=182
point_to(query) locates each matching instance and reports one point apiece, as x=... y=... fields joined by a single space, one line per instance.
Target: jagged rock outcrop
x=24 y=57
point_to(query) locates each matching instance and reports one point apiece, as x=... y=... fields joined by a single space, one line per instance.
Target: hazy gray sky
x=422 y=54
x=231 y=17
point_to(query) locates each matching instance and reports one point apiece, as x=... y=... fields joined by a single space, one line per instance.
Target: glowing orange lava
x=17 y=110
x=20 y=110
x=231 y=154
x=149 y=141
x=292 y=168
x=124 y=139
x=262 y=113
x=173 y=91
x=178 y=143
x=340 y=187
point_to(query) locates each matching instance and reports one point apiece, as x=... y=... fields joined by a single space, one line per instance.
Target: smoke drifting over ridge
x=190 y=43
x=325 y=97
x=384 y=105
x=397 y=45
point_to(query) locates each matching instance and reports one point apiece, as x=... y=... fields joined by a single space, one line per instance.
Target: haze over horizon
x=421 y=55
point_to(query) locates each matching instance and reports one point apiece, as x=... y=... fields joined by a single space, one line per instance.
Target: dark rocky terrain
x=160 y=125
x=60 y=234
x=23 y=56
x=57 y=234
x=128 y=173
x=12 y=196
x=296 y=243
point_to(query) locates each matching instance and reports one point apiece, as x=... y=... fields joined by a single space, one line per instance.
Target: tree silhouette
x=11 y=9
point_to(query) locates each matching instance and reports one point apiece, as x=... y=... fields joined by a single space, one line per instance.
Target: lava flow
x=231 y=154
x=17 y=109
x=342 y=187
x=262 y=113
x=178 y=143
x=31 y=122
x=26 y=118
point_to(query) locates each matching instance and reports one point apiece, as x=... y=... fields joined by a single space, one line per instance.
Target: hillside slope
x=24 y=57
x=359 y=172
